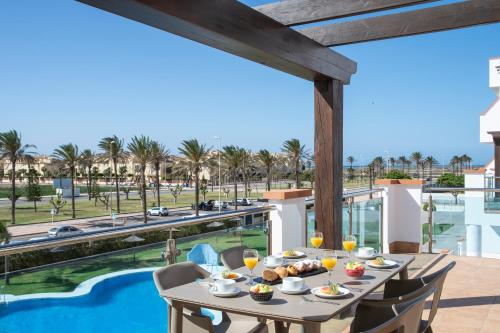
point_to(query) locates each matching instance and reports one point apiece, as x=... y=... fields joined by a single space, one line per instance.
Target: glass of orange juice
x=250 y=258
x=329 y=260
x=349 y=243
x=316 y=241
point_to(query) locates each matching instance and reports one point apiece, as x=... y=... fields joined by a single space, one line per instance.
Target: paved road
x=37 y=230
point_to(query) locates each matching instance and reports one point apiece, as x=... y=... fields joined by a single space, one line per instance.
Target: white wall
x=401 y=216
x=495 y=75
x=288 y=224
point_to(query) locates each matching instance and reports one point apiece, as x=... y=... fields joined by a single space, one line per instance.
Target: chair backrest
x=179 y=274
x=407 y=316
x=437 y=280
x=203 y=254
x=232 y=258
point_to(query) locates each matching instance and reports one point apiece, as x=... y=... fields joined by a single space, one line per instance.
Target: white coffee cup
x=366 y=251
x=293 y=283
x=223 y=286
x=273 y=260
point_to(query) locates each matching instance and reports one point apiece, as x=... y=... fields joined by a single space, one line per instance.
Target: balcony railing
x=460 y=220
x=61 y=264
x=362 y=217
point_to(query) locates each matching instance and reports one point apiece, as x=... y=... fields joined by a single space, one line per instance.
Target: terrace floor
x=470 y=301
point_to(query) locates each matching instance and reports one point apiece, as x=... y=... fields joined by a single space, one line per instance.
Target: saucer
x=293 y=292
x=232 y=293
x=269 y=265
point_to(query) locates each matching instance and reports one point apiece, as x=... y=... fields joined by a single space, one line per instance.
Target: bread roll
x=269 y=275
x=281 y=271
x=299 y=266
x=292 y=270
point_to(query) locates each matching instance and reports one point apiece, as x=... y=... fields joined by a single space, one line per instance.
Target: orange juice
x=349 y=245
x=250 y=262
x=316 y=242
x=329 y=262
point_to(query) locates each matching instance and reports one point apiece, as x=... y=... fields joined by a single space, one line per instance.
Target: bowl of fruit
x=354 y=269
x=261 y=292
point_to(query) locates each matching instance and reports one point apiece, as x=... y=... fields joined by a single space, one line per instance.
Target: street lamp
x=111 y=143
x=217 y=138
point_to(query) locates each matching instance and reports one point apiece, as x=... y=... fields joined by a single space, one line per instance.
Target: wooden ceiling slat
x=439 y=18
x=233 y=27
x=295 y=12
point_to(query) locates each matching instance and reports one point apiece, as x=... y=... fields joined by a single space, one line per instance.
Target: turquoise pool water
x=127 y=303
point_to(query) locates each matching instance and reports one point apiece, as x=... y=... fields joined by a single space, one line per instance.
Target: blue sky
x=72 y=73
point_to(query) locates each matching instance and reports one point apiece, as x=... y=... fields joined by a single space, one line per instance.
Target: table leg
x=403 y=275
x=176 y=317
x=311 y=327
x=280 y=327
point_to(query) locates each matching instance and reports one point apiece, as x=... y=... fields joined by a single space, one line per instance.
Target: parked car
x=158 y=211
x=244 y=202
x=222 y=204
x=64 y=230
x=209 y=205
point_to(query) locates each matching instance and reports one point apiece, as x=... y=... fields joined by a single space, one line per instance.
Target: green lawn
x=66 y=278
x=45 y=190
x=26 y=214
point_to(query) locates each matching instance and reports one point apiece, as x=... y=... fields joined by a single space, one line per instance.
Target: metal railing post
x=349 y=211
x=381 y=225
x=430 y=210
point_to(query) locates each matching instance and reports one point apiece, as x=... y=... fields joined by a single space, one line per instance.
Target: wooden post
x=328 y=155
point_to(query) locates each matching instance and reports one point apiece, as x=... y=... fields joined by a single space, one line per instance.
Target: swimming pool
x=125 y=303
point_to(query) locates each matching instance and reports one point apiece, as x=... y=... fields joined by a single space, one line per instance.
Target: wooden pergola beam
x=439 y=18
x=233 y=27
x=295 y=12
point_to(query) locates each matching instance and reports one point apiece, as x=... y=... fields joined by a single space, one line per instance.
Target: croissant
x=281 y=271
x=292 y=270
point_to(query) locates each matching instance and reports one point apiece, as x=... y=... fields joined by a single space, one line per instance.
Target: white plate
x=387 y=264
x=317 y=292
x=233 y=293
x=298 y=254
x=218 y=276
x=293 y=292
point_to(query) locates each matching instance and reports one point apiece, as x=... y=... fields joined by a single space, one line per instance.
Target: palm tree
x=87 y=159
x=378 y=165
x=455 y=161
x=159 y=154
x=12 y=149
x=68 y=154
x=267 y=160
x=350 y=160
x=232 y=158
x=392 y=162
x=467 y=160
x=195 y=156
x=417 y=158
x=114 y=152
x=402 y=162
x=430 y=161
x=296 y=153
x=140 y=148
x=246 y=167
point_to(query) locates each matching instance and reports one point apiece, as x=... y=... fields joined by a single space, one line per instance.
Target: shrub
x=396 y=174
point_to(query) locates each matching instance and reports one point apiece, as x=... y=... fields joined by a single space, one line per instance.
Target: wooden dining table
x=307 y=309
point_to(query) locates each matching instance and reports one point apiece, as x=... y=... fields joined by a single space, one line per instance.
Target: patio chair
x=203 y=254
x=232 y=258
x=386 y=318
x=194 y=320
x=397 y=291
